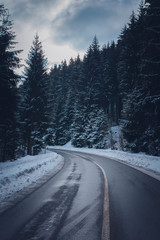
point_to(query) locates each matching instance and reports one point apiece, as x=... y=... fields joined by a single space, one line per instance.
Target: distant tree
x=129 y=45
x=79 y=137
x=92 y=73
x=34 y=99
x=9 y=61
x=54 y=98
x=61 y=89
x=79 y=89
x=110 y=96
x=96 y=128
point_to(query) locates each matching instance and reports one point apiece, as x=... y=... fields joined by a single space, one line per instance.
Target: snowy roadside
x=145 y=163
x=22 y=176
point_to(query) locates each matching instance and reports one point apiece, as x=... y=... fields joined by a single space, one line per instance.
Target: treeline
x=118 y=84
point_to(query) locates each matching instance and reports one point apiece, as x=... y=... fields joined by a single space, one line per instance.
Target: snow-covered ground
x=144 y=162
x=27 y=173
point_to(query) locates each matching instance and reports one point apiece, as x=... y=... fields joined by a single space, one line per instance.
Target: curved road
x=70 y=205
x=134 y=200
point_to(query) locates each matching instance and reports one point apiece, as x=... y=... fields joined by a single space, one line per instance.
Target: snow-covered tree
x=96 y=128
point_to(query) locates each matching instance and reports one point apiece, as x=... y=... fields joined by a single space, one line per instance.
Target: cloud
x=67 y=24
x=73 y=22
x=79 y=23
x=34 y=16
x=33 y=12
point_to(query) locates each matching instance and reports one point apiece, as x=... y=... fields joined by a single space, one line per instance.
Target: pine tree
x=96 y=128
x=110 y=96
x=9 y=61
x=61 y=117
x=79 y=85
x=129 y=45
x=34 y=99
x=79 y=137
x=54 y=98
x=92 y=74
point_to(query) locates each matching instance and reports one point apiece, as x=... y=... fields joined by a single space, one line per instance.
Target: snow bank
x=24 y=172
x=140 y=160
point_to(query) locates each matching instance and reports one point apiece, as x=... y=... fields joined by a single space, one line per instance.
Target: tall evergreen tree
x=110 y=83
x=92 y=73
x=61 y=88
x=129 y=45
x=9 y=61
x=34 y=99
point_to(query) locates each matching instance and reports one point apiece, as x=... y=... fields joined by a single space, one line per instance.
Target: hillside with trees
x=116 y=84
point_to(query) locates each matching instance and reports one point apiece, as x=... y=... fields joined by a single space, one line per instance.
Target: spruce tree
x=9 y=61
x=110 y=94
x=92 y=73
x=129 y=46
x=34 y=99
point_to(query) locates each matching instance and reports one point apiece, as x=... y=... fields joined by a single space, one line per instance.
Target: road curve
x=68 y=206
x=134 y=200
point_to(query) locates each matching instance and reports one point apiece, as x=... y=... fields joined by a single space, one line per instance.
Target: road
x=134 y=200
x=70 y=205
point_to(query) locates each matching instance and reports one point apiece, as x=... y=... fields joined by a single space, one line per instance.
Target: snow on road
x=25 y=172
x=139 y=160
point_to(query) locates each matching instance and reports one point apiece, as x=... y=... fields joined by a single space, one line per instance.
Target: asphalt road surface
x=134 y=200
x=70 y=205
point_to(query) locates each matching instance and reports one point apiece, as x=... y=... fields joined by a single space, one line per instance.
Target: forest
x=114 y=84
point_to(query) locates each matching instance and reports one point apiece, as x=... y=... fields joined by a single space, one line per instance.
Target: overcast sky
x=67 y=27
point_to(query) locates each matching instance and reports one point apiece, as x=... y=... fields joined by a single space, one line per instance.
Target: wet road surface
x=69 y=206
x=134 y=200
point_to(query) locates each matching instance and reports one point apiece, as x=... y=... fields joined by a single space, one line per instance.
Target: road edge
x=106 y=216
x=19 y=196
x=146 y=171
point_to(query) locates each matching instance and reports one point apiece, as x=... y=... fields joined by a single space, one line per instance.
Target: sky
x=67 y=27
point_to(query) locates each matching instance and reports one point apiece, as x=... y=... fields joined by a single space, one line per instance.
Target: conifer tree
x=9 y=61
x=92 y=73
x=110 y=83
x=129 y=45
x=34 y=99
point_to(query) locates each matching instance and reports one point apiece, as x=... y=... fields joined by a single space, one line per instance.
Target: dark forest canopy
x=117 y=84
